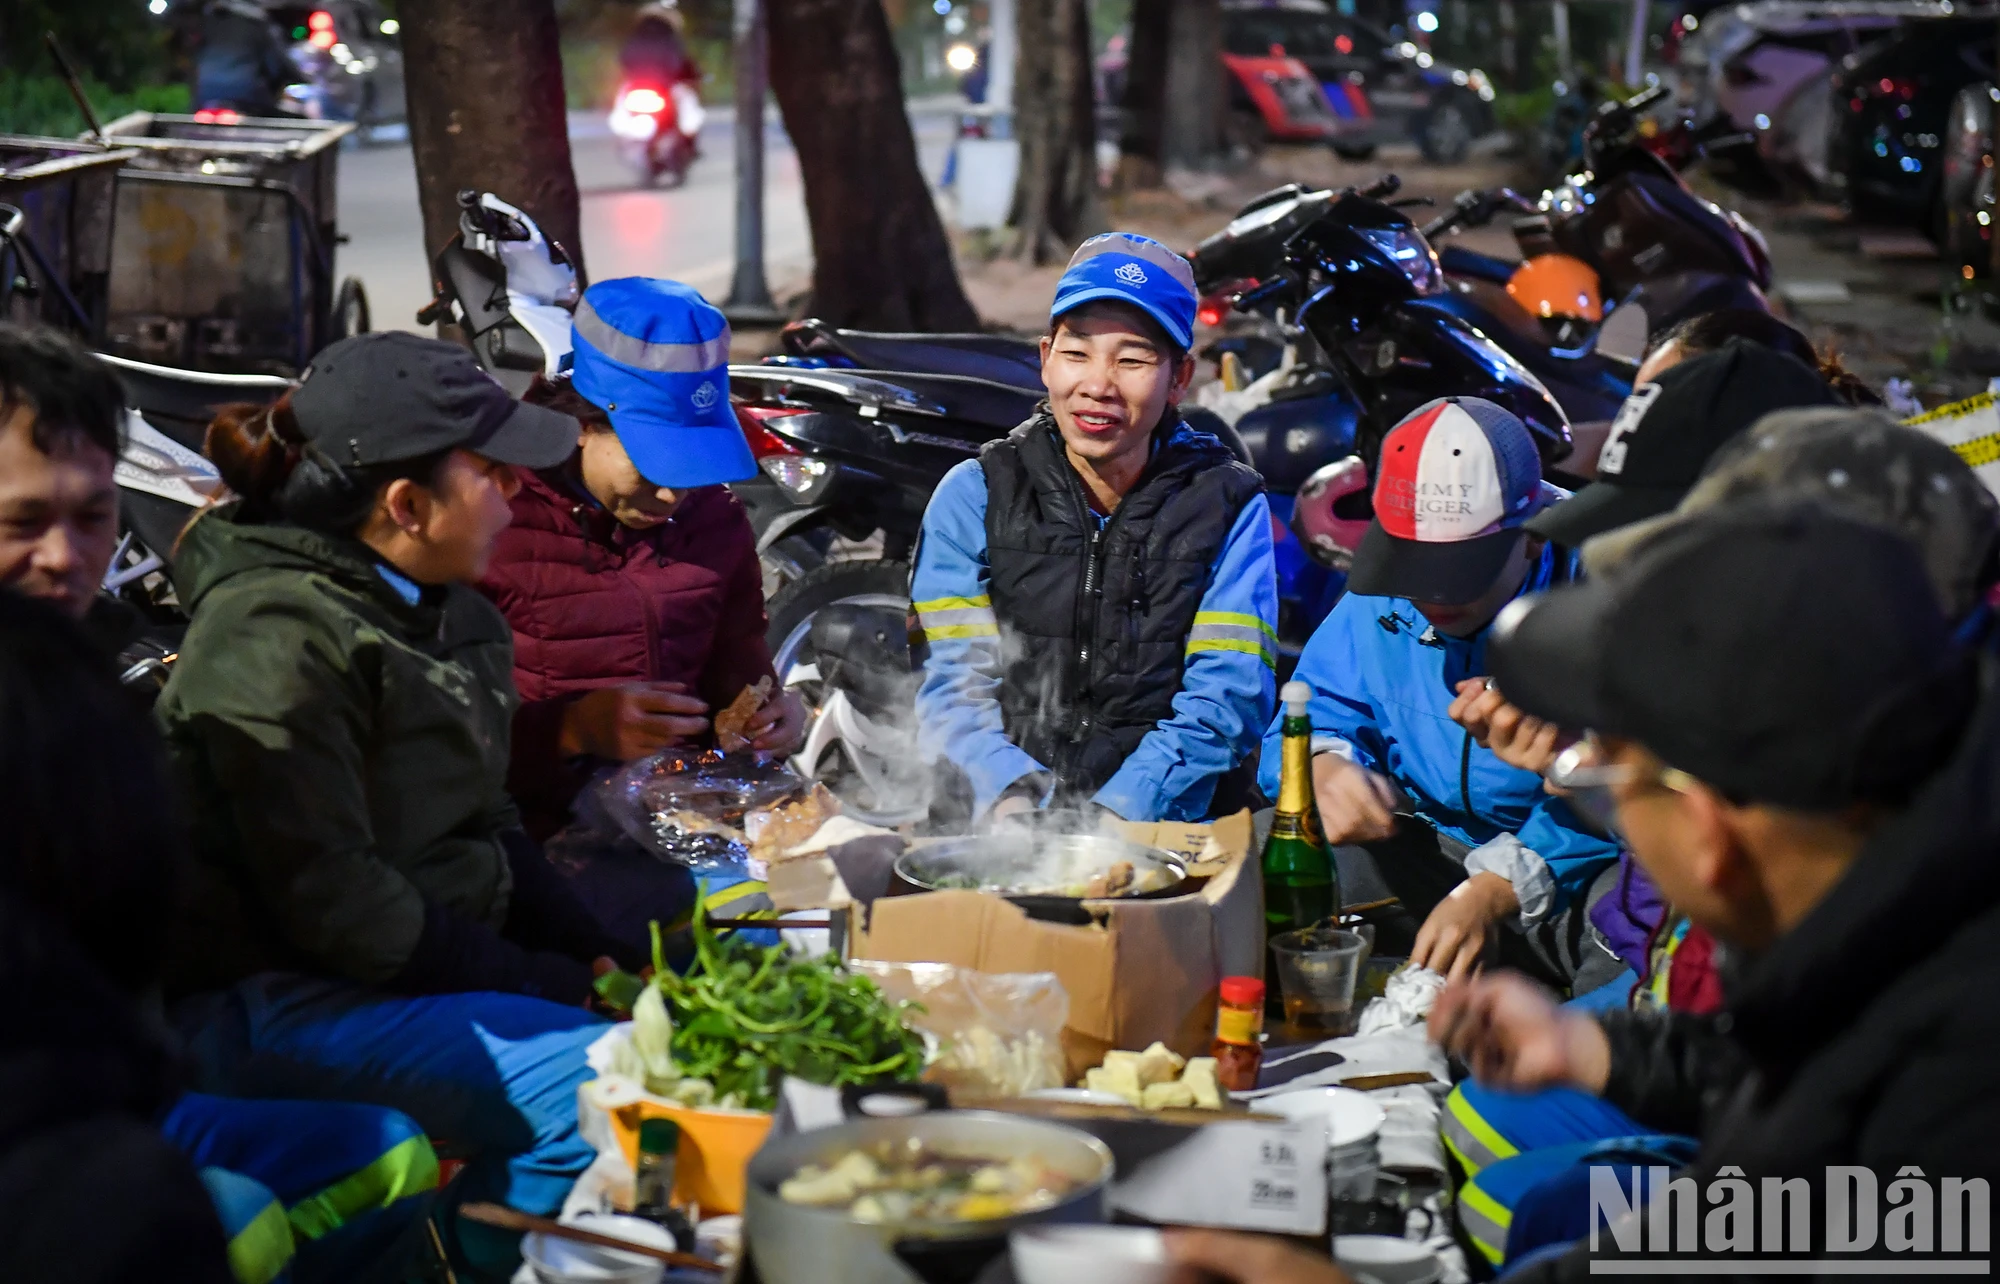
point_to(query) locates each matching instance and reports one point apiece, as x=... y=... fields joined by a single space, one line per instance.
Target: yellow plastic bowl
x=715 y=1150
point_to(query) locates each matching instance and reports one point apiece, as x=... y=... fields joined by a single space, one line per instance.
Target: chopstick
x=512 y=1219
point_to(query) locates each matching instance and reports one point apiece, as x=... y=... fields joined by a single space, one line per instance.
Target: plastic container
x=715 y=1149
x=1239 y=1029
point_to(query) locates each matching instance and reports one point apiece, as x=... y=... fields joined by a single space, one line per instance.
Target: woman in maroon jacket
x=630 y=575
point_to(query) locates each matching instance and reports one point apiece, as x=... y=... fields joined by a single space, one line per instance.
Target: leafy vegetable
x=746 y=1015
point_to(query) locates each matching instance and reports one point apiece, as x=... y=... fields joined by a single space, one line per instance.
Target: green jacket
x=345 y=752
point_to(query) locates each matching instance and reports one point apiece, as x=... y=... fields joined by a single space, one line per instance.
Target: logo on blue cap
x=1128 y=268
x=655 y=355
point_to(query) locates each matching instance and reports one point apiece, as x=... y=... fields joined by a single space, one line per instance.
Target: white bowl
x=1386 y=1259
x=1089 y=1255
x=563 y=1261
x=1350 y=1117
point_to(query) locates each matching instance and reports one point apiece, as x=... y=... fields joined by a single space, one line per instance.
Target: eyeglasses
x=1585 y=779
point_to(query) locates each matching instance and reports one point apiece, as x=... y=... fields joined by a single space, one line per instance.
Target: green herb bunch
x=745 y=1015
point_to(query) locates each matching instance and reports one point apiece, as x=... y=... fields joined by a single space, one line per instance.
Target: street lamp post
x=749 y=301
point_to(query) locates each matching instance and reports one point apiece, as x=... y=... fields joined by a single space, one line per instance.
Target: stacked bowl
x=1353 y=1123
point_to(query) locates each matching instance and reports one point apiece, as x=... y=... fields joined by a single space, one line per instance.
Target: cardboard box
x=1144 y=970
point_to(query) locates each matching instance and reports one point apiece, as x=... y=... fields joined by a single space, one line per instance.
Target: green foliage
x=41 y=104
x=746 y=1015
x=115 y=41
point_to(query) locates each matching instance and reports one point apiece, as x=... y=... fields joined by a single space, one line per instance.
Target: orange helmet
x=1556 y=285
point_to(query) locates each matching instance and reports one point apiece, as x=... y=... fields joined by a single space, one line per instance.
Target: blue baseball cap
x=655 y=355
x=1129 y=268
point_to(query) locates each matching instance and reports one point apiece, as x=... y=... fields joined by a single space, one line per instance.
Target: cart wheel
x=350 y=309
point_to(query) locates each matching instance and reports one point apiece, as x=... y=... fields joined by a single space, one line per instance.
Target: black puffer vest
x=1094 y=623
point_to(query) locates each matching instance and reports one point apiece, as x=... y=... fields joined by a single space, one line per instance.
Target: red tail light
x=1210 y=315
x=762 y=440
x=644 y=102
x=219 y=116
x=320 y=20
x=323 y=38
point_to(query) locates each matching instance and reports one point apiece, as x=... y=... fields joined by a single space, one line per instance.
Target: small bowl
x=1089 y=1255
x=1387 y=1259
x=1349 y=1116
x=563 y=1261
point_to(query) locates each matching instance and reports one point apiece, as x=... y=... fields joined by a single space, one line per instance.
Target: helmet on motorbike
x=1557 y=285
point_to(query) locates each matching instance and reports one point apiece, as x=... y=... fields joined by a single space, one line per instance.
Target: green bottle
x=1301 y=887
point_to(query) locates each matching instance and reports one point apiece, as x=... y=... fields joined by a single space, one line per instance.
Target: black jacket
x=1869 y=1035
x=1098 y=618
x=90 y=1193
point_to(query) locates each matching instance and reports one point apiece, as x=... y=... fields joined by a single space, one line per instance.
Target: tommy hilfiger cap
x=1454 y=484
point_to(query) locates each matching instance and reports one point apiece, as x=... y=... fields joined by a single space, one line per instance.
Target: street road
x=688 y=234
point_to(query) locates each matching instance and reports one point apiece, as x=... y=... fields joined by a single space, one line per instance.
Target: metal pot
x=797 y=1244
x=1001 y=862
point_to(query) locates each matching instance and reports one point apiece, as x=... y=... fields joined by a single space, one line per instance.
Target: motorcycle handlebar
x=1387 y=185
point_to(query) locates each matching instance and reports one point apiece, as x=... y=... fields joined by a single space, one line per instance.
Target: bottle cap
x=1296 y=696
x=660 y=1136
x=1242 y=991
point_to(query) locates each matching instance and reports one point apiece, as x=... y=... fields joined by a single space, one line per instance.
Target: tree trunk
x=1055 y=119
x=1192 y=117
x=1145 y=100
x=880 y=257
x=485 y=89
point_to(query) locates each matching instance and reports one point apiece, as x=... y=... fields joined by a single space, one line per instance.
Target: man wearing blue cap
x=1097 y=590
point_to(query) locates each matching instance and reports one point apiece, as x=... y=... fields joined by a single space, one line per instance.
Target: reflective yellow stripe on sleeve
x=958 y=617
x=1233 y=631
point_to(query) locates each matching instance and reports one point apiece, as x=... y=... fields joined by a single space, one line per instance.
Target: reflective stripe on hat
x=1233 y=631
x=958 y=617
x=1138 y=247
x=662 y=358
x=1438 y=482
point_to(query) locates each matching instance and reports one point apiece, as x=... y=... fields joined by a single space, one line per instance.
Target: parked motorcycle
x=510 y=288
x=1658 y=252
x=1358 y=279
x=658 y=130
x=163 y=480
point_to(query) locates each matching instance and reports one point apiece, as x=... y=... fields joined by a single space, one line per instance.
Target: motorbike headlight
x=1407 y=248
x=801 y=475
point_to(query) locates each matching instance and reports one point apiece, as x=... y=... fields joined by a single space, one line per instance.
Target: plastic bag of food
x=997 y=1034
x=689 y=807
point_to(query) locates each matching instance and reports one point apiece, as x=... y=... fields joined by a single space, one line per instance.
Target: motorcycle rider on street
x=1097 y=590
x=655 y=50
x=242 y=64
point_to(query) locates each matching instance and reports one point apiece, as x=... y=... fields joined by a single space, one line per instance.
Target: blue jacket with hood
x=1382 y=680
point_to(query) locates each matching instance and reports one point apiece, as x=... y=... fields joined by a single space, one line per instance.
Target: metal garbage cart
x=222 y=253
x=55 y=230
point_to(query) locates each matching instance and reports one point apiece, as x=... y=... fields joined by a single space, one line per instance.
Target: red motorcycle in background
x=657 y=128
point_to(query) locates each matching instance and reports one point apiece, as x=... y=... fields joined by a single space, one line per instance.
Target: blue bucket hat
x=655 y=355
x=1134 y=269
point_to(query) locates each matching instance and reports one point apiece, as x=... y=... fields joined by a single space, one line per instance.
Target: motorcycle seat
x=994 y=357
x=181 y=402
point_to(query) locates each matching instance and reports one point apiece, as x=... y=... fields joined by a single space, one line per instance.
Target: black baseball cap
x=1783 y=653
x=1854 y=460
x=1667 y=430
x=381 y=398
